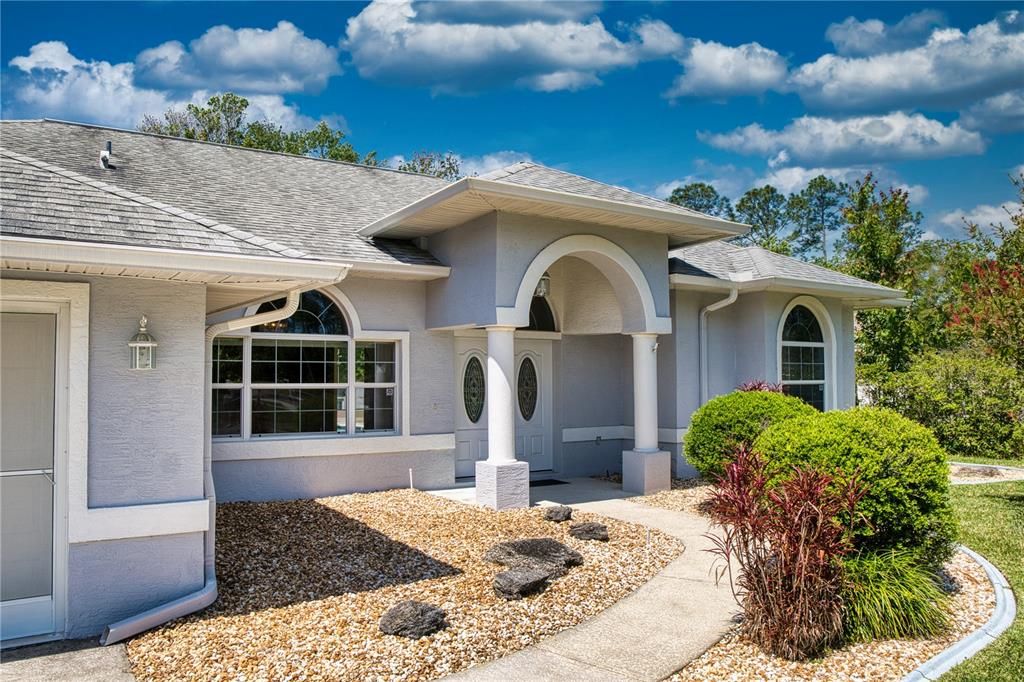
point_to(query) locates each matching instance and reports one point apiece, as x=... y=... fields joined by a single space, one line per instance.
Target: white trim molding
x=627 y=279
x=327 y=446
x=831 y=353
x=586 y=434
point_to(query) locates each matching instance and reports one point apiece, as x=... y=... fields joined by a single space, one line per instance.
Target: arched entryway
x=502 y=480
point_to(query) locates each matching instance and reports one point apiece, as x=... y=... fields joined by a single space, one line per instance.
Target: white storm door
x=470 y=407
x=31 y=536
x=533 y=398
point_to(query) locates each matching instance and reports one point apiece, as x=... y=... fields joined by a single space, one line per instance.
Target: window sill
x=328 y=445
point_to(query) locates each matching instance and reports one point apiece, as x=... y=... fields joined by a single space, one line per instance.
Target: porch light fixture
x=543 y=286
x=142 y=345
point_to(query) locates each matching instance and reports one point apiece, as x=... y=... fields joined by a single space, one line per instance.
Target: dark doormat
x=547 y=481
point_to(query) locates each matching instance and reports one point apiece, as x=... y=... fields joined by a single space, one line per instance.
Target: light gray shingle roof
x=306 y=204
x=535 y=175
x=725 y=261
x=41 y=200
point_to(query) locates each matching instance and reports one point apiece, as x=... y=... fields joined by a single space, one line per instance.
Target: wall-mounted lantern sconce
x=142 y=348
x=543 y=286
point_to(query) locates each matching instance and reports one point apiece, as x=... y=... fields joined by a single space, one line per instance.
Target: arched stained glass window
x=803 y=357
x=526 y=387
x=473 y=389
x=542 y=318
x=317 y=314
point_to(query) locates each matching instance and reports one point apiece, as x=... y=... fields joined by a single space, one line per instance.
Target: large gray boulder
x=516 y=583
x=412 y=619
x=591 y=530
x=539 y=553
x=558 y=513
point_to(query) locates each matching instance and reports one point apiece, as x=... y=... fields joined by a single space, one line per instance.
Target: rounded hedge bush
x=899 y=461
x=727 y=421
x=973 y=403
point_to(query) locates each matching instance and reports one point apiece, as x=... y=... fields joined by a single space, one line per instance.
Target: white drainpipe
x=734 y=292
x=196 y=601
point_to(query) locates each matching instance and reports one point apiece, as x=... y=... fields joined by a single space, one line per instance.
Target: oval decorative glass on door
x=527 y=389
x=473 y=389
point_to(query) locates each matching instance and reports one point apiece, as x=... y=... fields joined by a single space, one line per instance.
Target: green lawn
x=991 y=521
x=1015 y=462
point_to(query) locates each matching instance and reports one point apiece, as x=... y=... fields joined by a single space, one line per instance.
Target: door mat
x=547 y=481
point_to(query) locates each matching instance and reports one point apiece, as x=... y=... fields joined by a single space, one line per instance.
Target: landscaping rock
x=539 y=553
x=558 y=514
x=412 y=619
x=589 y=531
x=516 y=583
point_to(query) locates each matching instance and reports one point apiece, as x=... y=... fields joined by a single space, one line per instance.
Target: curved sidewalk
x=649 y=634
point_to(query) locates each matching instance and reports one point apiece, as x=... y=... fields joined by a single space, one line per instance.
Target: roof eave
x=857 y=296
x=99 y=255
x=722 y=228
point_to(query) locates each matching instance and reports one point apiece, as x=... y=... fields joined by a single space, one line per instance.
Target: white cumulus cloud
x=479 y=165
x=983 y=215
x=873 y=36
x=951 y=69
x=252 y=60
x=820 y=140
x=390 y=41
x=1000 y=114
x=714 y=70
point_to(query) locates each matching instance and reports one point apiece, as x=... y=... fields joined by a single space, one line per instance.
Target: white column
x=645 y=392
x=501 y=368
x=502 y=482
x=645 y=468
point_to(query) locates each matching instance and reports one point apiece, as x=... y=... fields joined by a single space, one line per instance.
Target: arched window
x=542 y=318
x=803 y=357
x=303 y=375
x=317 y=314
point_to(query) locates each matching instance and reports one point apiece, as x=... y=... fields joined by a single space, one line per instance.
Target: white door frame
x=22 y=608
x=469 y=436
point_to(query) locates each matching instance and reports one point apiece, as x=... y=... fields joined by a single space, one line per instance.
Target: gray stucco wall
x=145 y=428
x=466 y=297
x=111 y=580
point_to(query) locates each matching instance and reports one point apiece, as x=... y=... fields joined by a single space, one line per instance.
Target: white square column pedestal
x=503 y=485
x=646 y=472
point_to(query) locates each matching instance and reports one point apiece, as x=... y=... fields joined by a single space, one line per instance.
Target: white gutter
x=734 y=293
x=200 y=599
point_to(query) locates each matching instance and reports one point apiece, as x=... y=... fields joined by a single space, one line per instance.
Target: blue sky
x=928 y=95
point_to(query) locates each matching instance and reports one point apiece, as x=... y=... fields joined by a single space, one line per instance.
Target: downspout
x=734 y=293
x=200 y=599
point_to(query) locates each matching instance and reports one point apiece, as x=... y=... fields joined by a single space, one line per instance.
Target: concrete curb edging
x=1002 y=618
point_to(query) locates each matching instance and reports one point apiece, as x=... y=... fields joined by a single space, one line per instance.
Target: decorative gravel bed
x=303 y=585
x=734 y=660
x=687 y=495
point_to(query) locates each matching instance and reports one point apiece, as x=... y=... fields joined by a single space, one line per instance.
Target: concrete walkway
x=69 y=660
x=649 y=634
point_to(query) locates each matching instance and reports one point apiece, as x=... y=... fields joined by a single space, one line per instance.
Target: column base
x=503 y=485
x=646 y=472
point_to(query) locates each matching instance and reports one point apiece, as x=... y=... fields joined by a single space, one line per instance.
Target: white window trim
x=84 y=523
x=829 y=344
x=356 y=335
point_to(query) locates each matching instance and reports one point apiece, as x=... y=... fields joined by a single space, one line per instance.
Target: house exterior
x=324 y=328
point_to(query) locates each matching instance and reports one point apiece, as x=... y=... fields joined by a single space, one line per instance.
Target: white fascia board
x=504 y=189
x=869 y=296
x=401 y=270
x=119 y=255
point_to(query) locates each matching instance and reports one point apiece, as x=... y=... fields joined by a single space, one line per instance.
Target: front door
x=29 y=541
x=533 y=403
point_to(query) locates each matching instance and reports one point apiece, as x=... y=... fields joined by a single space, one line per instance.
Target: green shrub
x=899 y=461
x=973 y=403
x=890 y=595
x=731 y=420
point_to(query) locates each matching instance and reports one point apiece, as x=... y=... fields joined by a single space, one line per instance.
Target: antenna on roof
x=105 y=155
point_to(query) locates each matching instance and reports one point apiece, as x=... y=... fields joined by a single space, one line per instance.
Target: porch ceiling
x=470 y=198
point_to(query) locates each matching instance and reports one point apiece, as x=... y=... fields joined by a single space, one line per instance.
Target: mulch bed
x=735 y=660
x=303 y=584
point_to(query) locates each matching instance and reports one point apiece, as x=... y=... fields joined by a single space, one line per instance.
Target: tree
x=816 y=212
x=700 y=196
x=445 y=166
x=877 y=244
x=223 y=120
x=764 y=209
x=991 y=299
